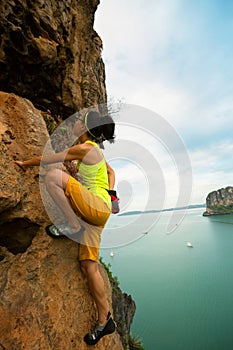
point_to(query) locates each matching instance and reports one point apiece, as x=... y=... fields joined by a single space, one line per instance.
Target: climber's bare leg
x=96 y=284
x=56 y=181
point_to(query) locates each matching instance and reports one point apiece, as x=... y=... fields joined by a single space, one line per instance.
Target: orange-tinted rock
x=23 y=134
x=45 y=302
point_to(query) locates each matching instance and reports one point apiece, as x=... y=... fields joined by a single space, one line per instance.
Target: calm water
x=184 y=295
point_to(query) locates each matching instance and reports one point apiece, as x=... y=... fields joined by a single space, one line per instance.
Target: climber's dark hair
x=99 y=128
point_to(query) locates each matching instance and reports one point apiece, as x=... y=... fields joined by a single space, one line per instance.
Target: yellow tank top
x=95 y=177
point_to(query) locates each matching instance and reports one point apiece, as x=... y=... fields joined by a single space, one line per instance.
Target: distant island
x=219 y=202
x=136 y=212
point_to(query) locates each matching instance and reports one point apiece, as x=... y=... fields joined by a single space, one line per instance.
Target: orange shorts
x=93 y=213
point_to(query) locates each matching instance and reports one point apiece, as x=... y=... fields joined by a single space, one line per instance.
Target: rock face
x=45 y=302
x=51 y=55
x=23 y=134
x=219 y=202
x=124 y=309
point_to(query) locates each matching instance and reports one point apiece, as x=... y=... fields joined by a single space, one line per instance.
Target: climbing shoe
x=55 y=232
x=100 y=331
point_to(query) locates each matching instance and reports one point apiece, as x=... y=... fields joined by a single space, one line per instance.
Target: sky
x=174 y=57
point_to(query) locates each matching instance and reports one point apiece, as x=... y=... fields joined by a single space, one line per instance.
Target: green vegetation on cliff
x=219 y=202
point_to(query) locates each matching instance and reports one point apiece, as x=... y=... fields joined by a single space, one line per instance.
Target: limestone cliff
x=51 y=55
x=124 y=309
x=219 y=202
x=44 y=300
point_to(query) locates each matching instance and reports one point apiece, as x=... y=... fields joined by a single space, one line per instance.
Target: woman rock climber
x=86 y=206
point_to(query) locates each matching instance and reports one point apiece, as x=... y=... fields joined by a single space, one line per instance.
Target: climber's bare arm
x=111 y=176
x=77 y=152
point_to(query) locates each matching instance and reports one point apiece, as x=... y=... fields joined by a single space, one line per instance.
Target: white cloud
x=174 y=57
x=163 y=55
x=151 y=174
x=212 y=169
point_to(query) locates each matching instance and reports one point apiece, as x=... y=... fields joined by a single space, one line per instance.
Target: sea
x=183 y=295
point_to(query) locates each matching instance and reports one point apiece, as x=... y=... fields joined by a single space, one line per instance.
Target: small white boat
x=111 y=254
x=189 y=244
